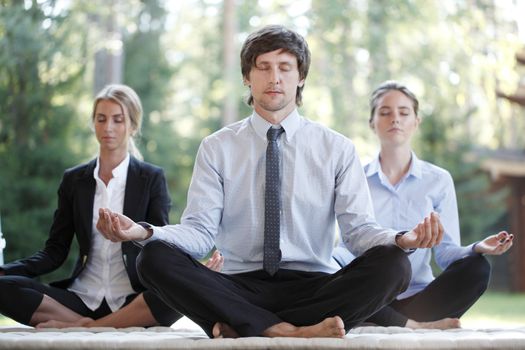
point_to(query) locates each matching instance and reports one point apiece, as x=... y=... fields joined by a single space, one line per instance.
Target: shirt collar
x=290 y=124
x=120 y=171
x=415 y=166
x=374 y=167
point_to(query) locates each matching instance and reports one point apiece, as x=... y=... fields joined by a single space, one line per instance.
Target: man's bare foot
x=445 y=323
x=223 y=330
x=331 y=327
x=82 y=322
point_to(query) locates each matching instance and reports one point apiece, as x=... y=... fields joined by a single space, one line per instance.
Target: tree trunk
x=229 y=110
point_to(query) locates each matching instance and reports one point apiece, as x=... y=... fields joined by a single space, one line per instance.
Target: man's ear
x=301 y=83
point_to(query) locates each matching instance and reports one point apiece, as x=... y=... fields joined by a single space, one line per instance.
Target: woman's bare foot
x=82 y=322
x=331 y=327
x=223 y=330
x=445 y=323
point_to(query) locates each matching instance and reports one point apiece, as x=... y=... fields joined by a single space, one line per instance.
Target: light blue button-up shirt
x=322 y=180
x=425 y=188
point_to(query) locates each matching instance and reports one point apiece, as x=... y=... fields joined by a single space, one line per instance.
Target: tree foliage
x=451 y=54
x=37 y=81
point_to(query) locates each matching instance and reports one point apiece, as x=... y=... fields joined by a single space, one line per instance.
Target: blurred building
x=507 y=168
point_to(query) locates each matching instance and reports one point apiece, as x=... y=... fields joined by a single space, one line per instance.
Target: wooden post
x=517 y=224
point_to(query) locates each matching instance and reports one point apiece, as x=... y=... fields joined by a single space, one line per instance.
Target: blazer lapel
x=86 y=195
x=135 y=187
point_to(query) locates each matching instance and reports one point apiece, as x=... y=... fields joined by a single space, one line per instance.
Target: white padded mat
x=170 y=338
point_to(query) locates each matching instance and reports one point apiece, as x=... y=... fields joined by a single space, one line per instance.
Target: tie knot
x=274 y=133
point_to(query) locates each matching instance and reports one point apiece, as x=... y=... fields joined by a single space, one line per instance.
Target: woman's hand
x=495 y=244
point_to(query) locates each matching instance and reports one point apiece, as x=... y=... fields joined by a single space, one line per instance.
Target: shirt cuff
x=148 y=227
x=472 y=247
x=409 y=250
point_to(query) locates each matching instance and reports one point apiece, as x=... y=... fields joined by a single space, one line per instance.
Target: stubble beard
x=274 y=105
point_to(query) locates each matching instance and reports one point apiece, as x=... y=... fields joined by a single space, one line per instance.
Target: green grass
x=493 y=310
x=496 y=309
x=4 y=321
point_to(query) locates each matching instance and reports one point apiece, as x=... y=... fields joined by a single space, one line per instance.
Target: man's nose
x=275 y=75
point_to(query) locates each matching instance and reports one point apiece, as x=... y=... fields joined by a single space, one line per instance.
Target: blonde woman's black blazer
x=146 y=199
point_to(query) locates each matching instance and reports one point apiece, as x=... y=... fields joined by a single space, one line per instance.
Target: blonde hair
x=128 y=99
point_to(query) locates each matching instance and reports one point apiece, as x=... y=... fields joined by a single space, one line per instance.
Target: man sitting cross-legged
x=267 y=191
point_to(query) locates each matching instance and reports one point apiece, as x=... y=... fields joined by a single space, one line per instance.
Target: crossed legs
x=30 y=302
x=290 y=303
x=443 y=301
x=33 y=303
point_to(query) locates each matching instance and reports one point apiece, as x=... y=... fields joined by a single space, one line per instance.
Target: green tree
x=147 y=70
x=37 y=85
x=449 y=53
x=189 y=106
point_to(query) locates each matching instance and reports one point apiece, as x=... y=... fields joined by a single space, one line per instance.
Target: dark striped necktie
x=272 y=204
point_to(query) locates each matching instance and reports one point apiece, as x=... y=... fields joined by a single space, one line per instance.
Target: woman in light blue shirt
x=405 y=188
